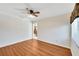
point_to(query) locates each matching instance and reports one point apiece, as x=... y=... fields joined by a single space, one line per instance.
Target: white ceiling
x=46 y=9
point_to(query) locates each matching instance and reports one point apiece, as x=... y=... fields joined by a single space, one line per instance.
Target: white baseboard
x=4 y=45
x=55 y=44
x=8 y=44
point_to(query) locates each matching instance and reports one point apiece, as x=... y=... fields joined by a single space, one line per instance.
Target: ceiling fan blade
x=35 y=15
x=37 y=12
x=18 y=9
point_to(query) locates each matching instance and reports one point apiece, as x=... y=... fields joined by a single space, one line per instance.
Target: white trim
x=55 y=44
x=14 y=42
x=29 y=39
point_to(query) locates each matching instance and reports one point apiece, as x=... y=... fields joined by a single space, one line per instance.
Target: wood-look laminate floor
x=34 y=47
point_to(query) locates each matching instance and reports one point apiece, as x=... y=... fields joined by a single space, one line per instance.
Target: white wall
x=13 y=30
x=75 y=37
x=75 y=31
x=55 y=30
x=74 y=48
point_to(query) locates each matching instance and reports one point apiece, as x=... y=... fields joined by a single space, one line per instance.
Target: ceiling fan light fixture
x=31 y=16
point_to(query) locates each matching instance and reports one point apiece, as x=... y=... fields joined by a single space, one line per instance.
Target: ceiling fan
x=29 y=11
x=32 y=12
